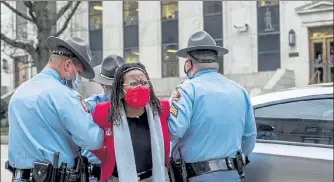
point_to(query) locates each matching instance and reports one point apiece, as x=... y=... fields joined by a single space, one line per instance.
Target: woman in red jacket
x=136 y=134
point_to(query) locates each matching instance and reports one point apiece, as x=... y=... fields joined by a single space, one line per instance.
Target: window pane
x=170 y=32
x=5 y=65
x=169 y=11
x=21 y=31
x=168 y=52
x=131 y=36
x=170 y=62
x=130 y=17
x=130 y=5
x=131 y=55
x=21 y=70
x=212 y=7
x=170 y=69
x=95 y=22
x=303 y=121
x=269 y=61
x=130 y=12
x=269 y=43
x=95 y=7
x=95 y=40
x=214 y=26
x=268 y=19
x=21 y=23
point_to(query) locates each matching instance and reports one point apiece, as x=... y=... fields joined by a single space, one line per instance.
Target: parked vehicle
x=295 y=136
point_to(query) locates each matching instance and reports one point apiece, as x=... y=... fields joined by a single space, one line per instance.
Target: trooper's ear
x=68 y=65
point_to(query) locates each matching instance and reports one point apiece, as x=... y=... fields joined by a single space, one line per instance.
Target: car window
x=309 y=121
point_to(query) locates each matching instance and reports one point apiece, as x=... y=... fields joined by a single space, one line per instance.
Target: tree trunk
x=42 y=58
x=42 y=35
x=42 y=61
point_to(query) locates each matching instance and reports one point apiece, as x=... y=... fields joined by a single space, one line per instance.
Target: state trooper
x=211 y=122
x=49 y=121
x=104 y=75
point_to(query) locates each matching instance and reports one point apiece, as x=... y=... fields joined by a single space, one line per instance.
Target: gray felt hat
x=105 y=72
x=200 y=41
x=77 y=48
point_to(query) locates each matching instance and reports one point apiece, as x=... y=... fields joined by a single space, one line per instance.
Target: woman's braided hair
x=117 y=96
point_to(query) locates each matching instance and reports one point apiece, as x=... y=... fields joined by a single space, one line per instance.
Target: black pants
x=95 y=170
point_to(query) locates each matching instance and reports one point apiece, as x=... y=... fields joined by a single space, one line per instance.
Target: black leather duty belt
x=22 y=174
x=199 y=168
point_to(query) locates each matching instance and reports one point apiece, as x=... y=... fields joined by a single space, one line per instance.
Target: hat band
x=106 y=77
x=61 y=53
x=200 y=60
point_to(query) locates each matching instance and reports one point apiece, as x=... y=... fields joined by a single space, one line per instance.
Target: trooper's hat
x=105 y=72
x=200 y=41
x=73 y=47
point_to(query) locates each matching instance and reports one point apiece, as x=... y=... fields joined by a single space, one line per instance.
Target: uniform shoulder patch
x=83 y=103
x=176 y=95
x=173 y=110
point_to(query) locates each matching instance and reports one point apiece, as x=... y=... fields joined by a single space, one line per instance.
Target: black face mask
x=184 y=68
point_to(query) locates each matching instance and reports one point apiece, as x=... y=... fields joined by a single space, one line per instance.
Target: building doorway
x=321 y=55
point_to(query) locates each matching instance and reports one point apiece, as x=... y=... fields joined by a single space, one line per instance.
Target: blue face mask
x=73 y=84
x=77 y=81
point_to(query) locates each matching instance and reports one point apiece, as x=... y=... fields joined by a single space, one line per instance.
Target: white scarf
x=125 y=160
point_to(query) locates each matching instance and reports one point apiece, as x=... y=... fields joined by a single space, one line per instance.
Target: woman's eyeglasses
x=145 y=83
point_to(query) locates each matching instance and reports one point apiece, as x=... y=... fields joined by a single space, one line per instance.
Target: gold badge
x=176 y=95
x=83 y=103
x=173 y=110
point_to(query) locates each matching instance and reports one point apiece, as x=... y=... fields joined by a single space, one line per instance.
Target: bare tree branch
x=68 y=19
x=25 y=46
x=30 y=7
x=63 y=10
x=17 y=12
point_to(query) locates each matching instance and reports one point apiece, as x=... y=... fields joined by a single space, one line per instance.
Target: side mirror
x=264 y=127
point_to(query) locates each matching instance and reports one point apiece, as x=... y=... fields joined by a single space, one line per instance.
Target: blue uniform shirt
x=92 y=101
x=45 y=117
x=210 y=117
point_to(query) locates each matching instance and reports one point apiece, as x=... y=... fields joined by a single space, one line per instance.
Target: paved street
x=5 y=175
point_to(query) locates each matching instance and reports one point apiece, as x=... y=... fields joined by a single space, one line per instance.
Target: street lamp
x=292 y=38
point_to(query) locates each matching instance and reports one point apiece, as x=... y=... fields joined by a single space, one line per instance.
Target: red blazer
x=107 y=153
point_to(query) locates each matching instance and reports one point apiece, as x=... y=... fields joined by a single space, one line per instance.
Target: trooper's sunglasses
x=145 y=83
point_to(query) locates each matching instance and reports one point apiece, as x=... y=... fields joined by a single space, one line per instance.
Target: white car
x=295 y=136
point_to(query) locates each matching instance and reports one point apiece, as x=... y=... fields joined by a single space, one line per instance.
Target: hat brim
x=54 y=42
x=99 y=79
x=183 y=53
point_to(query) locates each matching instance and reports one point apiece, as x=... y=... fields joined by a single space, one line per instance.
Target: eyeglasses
x=145 y=83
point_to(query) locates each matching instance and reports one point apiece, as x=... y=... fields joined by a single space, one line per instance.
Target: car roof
x=295 y=92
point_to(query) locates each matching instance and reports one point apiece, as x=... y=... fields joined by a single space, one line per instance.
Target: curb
x=4 y=139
